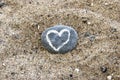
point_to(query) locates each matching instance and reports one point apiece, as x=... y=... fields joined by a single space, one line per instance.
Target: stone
x=1 y=4
x=59 y=39
x=103 y=69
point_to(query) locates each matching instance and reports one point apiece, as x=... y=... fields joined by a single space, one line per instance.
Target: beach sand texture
x=96 y=56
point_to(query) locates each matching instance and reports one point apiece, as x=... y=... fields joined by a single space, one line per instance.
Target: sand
x=96 y=56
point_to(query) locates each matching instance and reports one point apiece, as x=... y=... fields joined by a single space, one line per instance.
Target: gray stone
x=59 y=39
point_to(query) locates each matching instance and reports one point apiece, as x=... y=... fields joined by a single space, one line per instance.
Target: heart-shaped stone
x=59 y=39
x=59 y=34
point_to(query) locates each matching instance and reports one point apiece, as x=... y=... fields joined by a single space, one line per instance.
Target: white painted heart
x=59 y=34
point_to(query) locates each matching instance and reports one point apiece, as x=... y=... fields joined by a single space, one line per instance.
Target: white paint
x=59 y=34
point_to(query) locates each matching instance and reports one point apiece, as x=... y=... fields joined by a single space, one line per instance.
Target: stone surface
x=59 y=39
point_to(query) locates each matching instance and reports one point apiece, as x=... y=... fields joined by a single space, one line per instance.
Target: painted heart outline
x=59 y=34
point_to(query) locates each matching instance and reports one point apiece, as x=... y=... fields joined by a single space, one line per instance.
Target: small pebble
x=77 y=70
x=109 y=77
x=88 y=23
x=106 y=4
x=87 y=34
x=71 y=75
x=91 y=4
x=59 y=39
x=92 y=37
x=103 y=69
x=2 y=4
x=3 y=64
